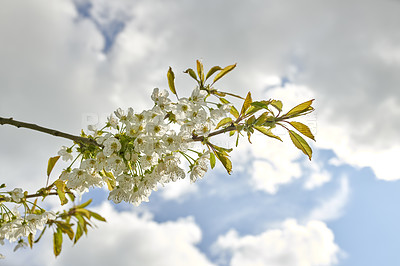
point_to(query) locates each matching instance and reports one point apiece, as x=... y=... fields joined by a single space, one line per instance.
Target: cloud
x=178 y=190
x=333 y=207
x=126 y=239
x=291 y=244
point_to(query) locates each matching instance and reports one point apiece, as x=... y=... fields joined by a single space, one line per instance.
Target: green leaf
x=212 y=71
x=97 y=216
x=200 y=71
x=234 y=112
x=191 y=73
x=223 y=72
x=66 y=229
x=267 y=132
x=84 y=212
x=80 y=227
x=51 y=163
x=224 y=101
x=223 y=122
x=301 y=108
x=171 y=80
x=85 y=204
x=60 y=187
x=246 y=104
x=261 y=119
x=277 y=104
x=57 y=242
x=303 y=129
x=224 y=160
x=261 y=104
x=212 y=160
x=300 y=143
x=30 y=240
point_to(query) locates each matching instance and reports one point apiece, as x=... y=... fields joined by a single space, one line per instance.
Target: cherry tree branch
x=19 y=124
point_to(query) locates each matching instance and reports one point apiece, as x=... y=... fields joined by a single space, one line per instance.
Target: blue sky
x=67 y=63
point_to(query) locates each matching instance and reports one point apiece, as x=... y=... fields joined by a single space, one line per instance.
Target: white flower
x=149 y=160
x=115 y=164
x=118 y=194
x=101 y=161
x=182 y=109
x=204 y=128
x=200 y=167
x=124 y=117
x=159 y=96
x=111 y=145
x=88 y=164
x=21 y=244
x=17 y=194
x=65 y=153
x=156 y=127
x=198 y=96
x=112 y=120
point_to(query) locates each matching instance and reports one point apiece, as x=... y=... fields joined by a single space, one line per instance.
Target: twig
x=78 y=139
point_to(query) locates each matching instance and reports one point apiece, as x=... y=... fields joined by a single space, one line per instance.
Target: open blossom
x=198 y=96
x=124 y=117
x=65 y=153
x=17 y=194
x=200 y=167
x=111 y=145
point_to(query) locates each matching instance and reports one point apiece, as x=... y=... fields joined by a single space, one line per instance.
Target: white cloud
x=178 y=190
x=290 y=245
x=333 y=207
x=126 y=239
x=317 y=175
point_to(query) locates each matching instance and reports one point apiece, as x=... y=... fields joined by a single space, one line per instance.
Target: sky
x=69 y=63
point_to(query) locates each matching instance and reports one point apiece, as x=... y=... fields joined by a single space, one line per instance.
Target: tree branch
x=78 y=139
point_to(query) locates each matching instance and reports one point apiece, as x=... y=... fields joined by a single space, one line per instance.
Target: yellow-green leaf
x=85 y=204
x=200 y=71
x=247 y=103
x=212 y=71
x=212 y=160
x=224 y=101
x=261 y=119
x=267 y=132
x=261 y=104
x=171 y=80
x=223 y=122
x=303 y=129
x=234 y=112
x=66 y=228
x=223 y=72
x=224 y=160
x=84 y=212
x=97 y=216
x=51 y=163
x=57 y=242
x=299 y=109
x=60 y=187
x=277 y=104
x=30 y=240
x=300 y=143
x=191 y=73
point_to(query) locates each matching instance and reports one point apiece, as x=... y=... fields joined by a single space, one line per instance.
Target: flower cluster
x=14 y=226
x=139 y=151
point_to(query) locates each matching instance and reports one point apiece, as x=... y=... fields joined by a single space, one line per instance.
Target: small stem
x=221 y=131
x=82 y=140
